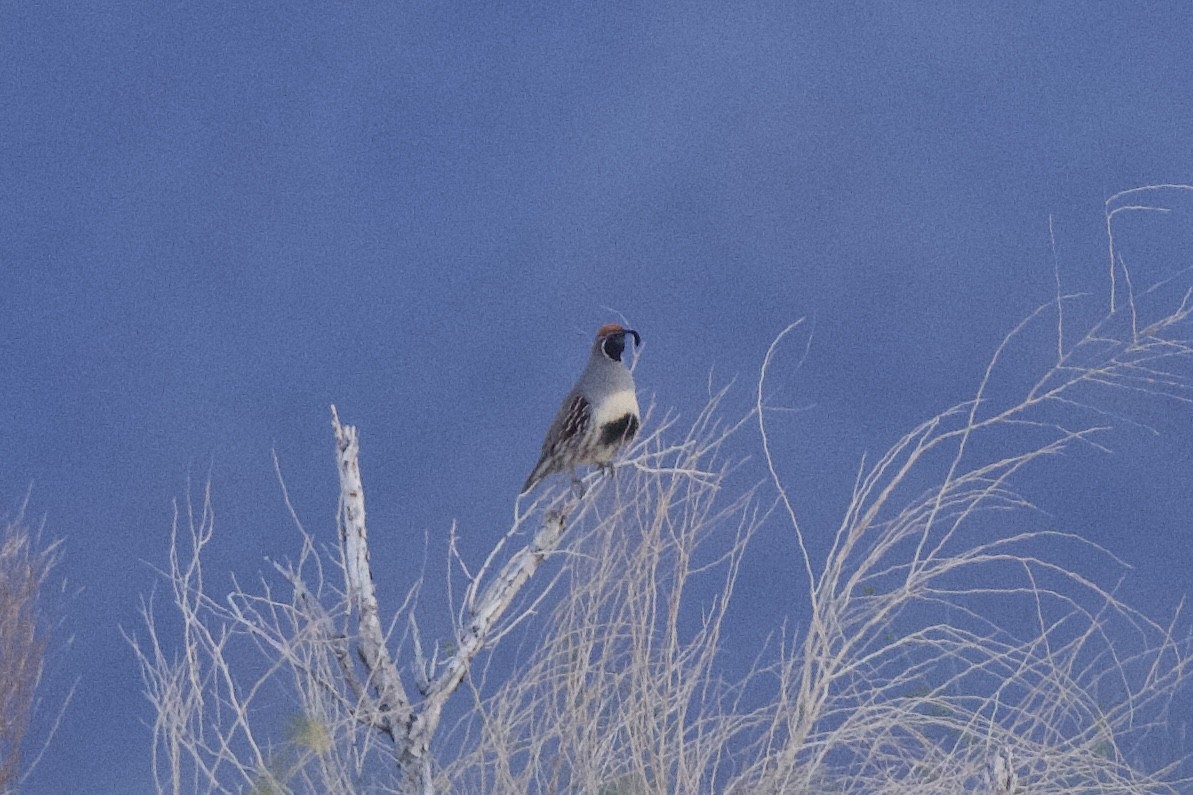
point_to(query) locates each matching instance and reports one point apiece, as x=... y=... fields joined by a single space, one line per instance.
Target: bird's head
x=610 y=340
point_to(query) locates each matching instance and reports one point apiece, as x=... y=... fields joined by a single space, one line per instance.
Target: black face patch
x=621 y=430
x=614 y=345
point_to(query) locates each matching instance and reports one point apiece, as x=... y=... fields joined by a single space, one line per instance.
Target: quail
x=598 y=417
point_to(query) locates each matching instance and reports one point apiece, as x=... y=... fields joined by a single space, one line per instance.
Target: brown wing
x=571 y=422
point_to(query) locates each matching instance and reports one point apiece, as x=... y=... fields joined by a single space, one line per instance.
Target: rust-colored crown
x=609 y=328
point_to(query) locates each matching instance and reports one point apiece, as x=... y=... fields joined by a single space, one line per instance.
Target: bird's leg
x=607 y=468
x=577 y=484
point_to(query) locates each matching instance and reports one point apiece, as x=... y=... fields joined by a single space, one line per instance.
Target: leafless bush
x=24 y=570
x=621 y=689
x=950 y=641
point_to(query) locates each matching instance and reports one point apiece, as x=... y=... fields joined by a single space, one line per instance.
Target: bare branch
x=393 y=711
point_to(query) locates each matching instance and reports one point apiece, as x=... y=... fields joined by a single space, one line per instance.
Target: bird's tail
x=548 y=464
x=538 y=474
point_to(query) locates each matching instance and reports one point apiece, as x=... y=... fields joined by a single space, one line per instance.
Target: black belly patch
x=620 y=431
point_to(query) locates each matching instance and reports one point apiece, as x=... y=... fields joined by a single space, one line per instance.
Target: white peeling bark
x=388 y=708
x=484 y=615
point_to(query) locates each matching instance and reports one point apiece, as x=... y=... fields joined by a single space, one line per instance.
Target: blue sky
x=217 y=219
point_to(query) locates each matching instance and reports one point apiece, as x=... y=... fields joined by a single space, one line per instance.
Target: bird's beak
x=637 y=339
